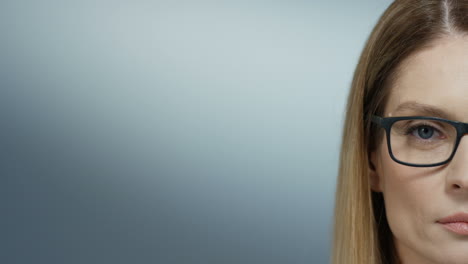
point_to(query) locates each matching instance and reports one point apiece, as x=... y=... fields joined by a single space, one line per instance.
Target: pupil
x=425 y=132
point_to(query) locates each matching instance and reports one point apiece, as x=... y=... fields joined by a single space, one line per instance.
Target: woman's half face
x=434 y=80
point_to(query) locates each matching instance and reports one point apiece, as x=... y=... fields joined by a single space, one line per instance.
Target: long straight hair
x=361 y=231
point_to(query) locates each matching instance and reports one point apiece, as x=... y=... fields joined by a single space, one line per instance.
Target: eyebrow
x=424 y=109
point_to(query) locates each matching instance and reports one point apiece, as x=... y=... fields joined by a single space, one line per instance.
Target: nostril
x=456 y=186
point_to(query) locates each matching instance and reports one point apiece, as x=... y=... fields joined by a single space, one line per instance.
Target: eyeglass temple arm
x=377 y=119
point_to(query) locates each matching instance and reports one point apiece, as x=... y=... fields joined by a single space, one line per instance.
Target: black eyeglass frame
x=387 y=122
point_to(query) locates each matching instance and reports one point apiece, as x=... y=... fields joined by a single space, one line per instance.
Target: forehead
x=436 y=76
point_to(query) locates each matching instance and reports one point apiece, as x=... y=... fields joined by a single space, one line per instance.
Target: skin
x=415 y=198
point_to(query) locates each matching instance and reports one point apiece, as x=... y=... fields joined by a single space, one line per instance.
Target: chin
x=453 y=255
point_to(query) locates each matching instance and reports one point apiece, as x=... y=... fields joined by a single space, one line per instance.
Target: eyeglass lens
x=421 y=141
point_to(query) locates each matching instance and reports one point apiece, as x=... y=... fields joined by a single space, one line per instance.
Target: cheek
x=408 y=194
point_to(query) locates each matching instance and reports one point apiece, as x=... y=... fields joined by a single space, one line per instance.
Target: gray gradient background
x=173 y=131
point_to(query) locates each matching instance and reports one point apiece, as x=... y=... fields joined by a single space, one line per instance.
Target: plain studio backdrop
x=173 y=131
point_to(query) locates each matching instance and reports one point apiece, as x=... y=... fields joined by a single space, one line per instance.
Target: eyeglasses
x=420 y=141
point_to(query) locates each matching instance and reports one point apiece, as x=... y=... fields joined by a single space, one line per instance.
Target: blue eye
x=424 y=132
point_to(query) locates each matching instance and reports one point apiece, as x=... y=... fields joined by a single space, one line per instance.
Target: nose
x=457 y=178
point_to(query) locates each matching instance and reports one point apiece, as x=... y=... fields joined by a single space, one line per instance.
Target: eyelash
x=411 y=129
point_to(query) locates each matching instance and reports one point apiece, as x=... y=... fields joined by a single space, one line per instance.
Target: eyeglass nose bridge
x=463 y=129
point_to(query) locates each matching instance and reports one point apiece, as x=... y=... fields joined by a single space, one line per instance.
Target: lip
x=457 y=223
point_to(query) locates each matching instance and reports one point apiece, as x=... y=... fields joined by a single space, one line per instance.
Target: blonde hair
x=361 y=231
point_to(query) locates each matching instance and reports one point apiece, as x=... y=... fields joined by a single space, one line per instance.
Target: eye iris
x=425 y=132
